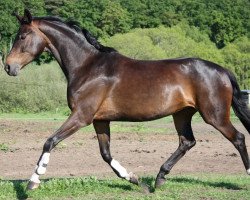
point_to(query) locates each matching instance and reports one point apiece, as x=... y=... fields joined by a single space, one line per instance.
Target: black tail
x=240 y=107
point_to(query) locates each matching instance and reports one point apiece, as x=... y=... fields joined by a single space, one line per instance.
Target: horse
x=104 y=85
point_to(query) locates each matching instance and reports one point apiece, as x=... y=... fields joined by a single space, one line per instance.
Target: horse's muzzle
x=12 y=69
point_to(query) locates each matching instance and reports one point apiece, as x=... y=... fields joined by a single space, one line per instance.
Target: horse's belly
x=143 y=107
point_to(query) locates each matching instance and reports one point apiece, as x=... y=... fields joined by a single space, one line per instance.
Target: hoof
x=32 y=185
x=145 y=188
x=133 y=179
x=159 y=182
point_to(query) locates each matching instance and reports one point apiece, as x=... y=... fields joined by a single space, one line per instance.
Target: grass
x=156 y=126
x=4 y=147
x=177 y=187
x=43 y=116
x=36 y=89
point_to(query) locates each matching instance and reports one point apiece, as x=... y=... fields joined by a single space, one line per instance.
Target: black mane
x=76 y=26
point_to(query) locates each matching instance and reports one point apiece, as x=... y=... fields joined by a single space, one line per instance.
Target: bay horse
x=105 y=86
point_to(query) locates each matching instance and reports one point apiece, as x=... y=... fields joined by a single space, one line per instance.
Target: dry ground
x=141 y=153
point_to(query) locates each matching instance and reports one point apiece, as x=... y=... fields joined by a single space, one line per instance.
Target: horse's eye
x=22 y=37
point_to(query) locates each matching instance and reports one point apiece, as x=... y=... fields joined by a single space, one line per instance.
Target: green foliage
x=52 y=6
x=184 y=41
x=224 y=21
x=100 y=17
x=179 y=187
x=115 y=19
x=38 y=88
x=237 y=58
x=162 y=43
x=135 y=45
x=8 y=25
x=4 y=147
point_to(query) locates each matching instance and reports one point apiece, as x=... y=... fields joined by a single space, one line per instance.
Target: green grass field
x=89 y=188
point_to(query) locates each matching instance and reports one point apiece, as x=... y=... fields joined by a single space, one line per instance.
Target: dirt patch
x=140 y=153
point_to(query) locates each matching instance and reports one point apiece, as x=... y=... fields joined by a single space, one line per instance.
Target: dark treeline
x=223 y=20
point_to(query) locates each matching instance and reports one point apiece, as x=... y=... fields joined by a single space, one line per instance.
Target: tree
x=8 y=23
x=223 y=20
x=185 y=41
x=115 y=19
x=36 y=7
x=52 y=7
x=237 y=58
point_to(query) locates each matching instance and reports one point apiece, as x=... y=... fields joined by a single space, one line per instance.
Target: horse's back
x=147 y=90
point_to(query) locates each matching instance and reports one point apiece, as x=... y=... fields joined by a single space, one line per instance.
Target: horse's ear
x=27 y=18
x=19 y=18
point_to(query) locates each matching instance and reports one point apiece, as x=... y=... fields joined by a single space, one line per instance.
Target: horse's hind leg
x=182 y=121
x=238 y=140
x=216 y=112
x=102 y=129
x=235 y=137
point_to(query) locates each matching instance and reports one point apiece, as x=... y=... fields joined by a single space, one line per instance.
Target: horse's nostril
x=7 y=68
x=12 y=69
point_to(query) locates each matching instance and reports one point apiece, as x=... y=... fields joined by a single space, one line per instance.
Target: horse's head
x=28 y=44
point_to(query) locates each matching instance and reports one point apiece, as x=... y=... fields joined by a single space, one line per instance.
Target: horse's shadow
x=150 y=181
x=215 y=184
x=145 y=182
x=19 y=188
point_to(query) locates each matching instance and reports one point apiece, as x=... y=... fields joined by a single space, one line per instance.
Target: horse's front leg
x=103 y=134
x=73 y=124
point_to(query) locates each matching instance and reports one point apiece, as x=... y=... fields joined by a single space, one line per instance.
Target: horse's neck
x=70 y=49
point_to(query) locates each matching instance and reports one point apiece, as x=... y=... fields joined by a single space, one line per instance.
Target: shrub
x=36 y=89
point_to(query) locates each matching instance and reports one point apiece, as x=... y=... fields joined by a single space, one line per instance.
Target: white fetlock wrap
x=35 y=178
x=122 y=171
x=248 y=171
x=44 y=160
x=41 y=170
